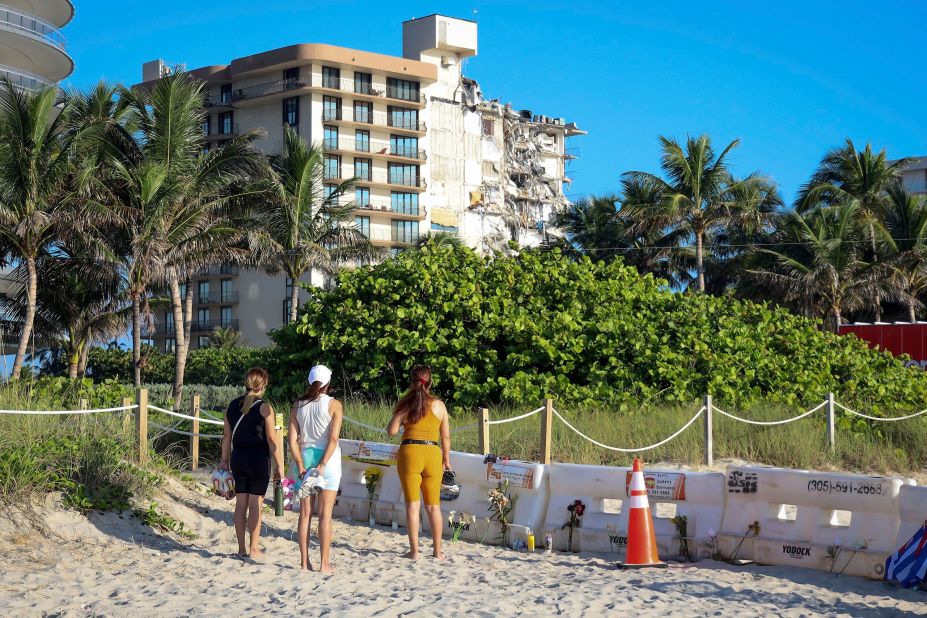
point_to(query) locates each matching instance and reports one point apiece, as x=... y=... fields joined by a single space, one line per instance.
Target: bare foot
x=411 y=555
x=439 y=556
x=326 y=569
x=306 y=567
x=257 y=555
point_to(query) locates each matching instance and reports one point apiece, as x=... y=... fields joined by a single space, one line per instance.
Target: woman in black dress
x=248 y=443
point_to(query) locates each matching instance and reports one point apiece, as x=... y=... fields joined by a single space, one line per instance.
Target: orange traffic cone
x=642 y=542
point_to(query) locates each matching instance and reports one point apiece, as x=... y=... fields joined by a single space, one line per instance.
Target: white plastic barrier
x=699 y=496
x=912 y=510
x=527 y=484
x=844 y=522
x=354 y=501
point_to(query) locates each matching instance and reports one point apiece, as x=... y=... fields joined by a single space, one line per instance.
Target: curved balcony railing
x=17 y=21
x=25 y=80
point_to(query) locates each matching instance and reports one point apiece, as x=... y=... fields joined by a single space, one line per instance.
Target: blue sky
x=790 y=79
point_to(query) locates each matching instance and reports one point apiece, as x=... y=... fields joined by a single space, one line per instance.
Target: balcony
x=384 y=206
x=220 y=103
x=375 y=148
x=207 y=326
x=396 y=124
x=227 y=131
x=218 y=298
x=380 y=178
x=280 y=86
x=24 y=80
x=390 y=238
x=39 y=44
x=364 y=91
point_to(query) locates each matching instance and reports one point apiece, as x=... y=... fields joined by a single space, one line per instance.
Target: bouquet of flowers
x=501 y=505
x=681 y=522
x=372 y=478
x=460 y=522
x=576 y=513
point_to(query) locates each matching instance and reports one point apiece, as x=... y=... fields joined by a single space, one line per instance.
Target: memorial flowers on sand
x=576 y=511
x=501 y=505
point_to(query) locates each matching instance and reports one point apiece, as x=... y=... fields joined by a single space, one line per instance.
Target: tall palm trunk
x=187 y=320
x=876 y=302
x=136 y=341
x=294 y=298
x=74 y=354
x=699 y=260
x=180 y=356
x=84 y=357
x=912 y=314
x=32 y=288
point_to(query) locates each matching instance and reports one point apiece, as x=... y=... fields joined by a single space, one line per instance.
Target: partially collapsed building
x=428 y=151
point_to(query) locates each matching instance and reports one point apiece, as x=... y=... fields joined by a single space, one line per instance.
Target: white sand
x=112 y=565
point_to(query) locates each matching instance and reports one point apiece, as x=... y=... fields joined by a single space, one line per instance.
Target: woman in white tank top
x=314 y=429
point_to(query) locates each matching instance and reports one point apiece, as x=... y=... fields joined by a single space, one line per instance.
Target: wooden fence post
x=830 y=422
x=141 y=423
x=484 y=431
x=83 y=405
x=195 y=438
x=709 y=437
x=547 y=426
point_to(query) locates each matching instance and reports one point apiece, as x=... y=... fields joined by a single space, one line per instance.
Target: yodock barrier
x=357 y=457
x=845 y=523
x=912 y=512
x=699 y=496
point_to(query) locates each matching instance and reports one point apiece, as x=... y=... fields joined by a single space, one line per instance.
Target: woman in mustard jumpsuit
x=424 y=455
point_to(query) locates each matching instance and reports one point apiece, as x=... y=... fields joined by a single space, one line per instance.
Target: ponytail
x=312 y=393
x=416 y=401
x=256 y=382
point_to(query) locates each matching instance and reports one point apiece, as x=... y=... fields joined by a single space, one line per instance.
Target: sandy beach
x=106 y=564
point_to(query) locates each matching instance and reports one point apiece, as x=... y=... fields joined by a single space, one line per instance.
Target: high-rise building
x=428 y=153
x=32 y=48
x=914 y=176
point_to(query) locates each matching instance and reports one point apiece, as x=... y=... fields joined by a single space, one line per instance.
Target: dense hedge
x=214 y=366
x=516 y=329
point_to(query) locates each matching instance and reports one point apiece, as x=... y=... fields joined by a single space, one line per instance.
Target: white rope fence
x=880 y=418
x=768 y=423
x=185 y=433
x=60 y=412
x=186 y=416
x=629 y=450
x=503 y=421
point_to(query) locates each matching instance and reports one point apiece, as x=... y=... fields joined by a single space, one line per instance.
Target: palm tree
x=697 y=196
x=819 y=266
x=846 y=173
x=225 y=339
x=902 y=236
x=304 y=228
x=33 y=163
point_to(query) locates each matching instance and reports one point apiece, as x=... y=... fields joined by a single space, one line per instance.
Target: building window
x=363 y=111
x=489 y=127
x=331 y=108
x=402 y=89
x=362 y=141
x=206 y=124
x=362 y=82
x=403 y=146
x=225 y=123
x=327 y=190
x=362 y=197
x=402 y=174
x=291 y=111
x=203 y=289
x=225 y=93
x=405 y=203
x=291 y=77
x=203 y=341
x=402 y=117
x=405 y=231
x=363 y=225
x=332 y=167
x=225 y=315
x=202 y=316
x=170 y=345
x=331 y=78
x=394 y=251
x=226 y=288
x=169 y=323
x=362 y=169
x=287 y=303
x=330 y=137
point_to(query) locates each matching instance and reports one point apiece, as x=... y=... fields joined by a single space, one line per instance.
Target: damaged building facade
x=496 y=173
x=427 y=151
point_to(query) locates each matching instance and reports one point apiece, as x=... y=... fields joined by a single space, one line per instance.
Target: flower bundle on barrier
x=501 y=505
x=576 y=513
x=711 y=545
x=752 y=530
x=372 y=478
x=682 y=532
x=460 y=522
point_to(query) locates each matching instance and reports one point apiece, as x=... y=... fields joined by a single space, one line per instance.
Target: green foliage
x=518 y=329
x=161 y=521
x=215 y=366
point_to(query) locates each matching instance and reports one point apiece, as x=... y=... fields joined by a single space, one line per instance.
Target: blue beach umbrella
x=908 y=565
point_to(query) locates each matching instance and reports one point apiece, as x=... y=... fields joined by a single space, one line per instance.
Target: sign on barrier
x=820 y=520
x=374 y=452
x=699 y=496
x=517 y=473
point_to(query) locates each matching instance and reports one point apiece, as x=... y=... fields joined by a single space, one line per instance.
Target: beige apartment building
x=427 y=151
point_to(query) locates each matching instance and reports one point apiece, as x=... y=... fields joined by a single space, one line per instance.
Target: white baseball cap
x=320 y=373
